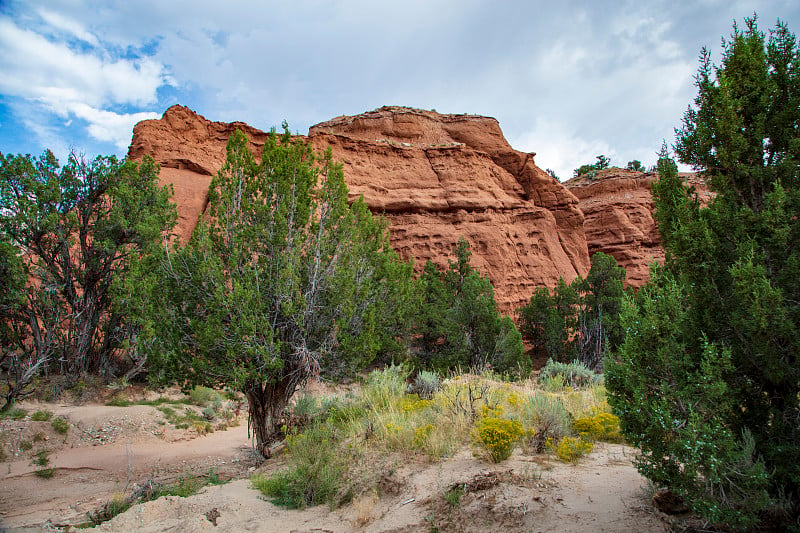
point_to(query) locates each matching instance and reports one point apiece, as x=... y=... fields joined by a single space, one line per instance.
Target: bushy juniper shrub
x=458 y=324
x=590 y=170
x=707 y=381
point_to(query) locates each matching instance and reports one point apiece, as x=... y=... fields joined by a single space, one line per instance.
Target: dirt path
x=106 y=451
x=604 y=494
x=109 y=449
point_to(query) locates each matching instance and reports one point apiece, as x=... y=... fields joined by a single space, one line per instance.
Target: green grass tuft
x=119 y=400
x=45 y=473
x=60 y=425
x=15 y=413
x=41 y=416
x=315 y=475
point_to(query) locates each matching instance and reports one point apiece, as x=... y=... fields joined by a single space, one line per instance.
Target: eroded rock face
x=618 y=211
x=435 y=177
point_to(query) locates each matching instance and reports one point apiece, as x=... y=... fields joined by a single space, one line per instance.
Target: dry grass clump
x=364 y=508
x=327 y=435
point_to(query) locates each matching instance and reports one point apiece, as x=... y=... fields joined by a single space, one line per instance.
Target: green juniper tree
x=68 y=234
x=707 y=381
x=548 y=321
x=601 y=295
x=635 y=165
x=590 y=170
x=458 y=322
x=578 y=320
x=285 y=281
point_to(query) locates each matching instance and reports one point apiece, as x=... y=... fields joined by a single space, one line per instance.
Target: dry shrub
x=547 y=419
x=364 y=508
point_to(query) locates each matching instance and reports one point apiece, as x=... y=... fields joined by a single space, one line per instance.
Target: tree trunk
x=265 y=405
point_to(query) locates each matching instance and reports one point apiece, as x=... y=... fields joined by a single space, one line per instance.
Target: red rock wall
x=618 y=211
x=435 y=177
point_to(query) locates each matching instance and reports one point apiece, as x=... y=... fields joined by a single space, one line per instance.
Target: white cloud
x=568 y=80
x=107 y=126
x=61 y=22
x=561 y=148
x=70 y=83
x=35 y=67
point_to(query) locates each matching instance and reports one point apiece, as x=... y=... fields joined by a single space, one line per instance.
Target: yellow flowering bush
x=602 y=426
x=498 y=436
x=514 y=400
x=571 y=449
x=587 y=427
x=421 y=435
x=610 y=425
x=412 y=402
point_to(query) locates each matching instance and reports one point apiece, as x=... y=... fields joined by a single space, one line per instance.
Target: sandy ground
x=110 y=449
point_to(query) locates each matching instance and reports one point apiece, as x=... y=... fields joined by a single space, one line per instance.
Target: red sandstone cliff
x=435 y=177
x=618 y=211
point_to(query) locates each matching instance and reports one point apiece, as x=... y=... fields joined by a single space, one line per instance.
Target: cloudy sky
x=568 y=80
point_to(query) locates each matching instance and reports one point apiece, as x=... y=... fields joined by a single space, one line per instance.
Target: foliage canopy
x=707 y=381
x=458 y=324
x=579 y=320
x=67 y=236
x=287 y=281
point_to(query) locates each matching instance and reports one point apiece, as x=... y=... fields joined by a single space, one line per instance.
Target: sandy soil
x=110 y=449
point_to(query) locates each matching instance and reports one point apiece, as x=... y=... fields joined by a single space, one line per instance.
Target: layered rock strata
x=618 y=210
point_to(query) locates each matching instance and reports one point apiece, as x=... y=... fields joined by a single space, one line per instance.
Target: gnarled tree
x=285 y=279
x=68 y=235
